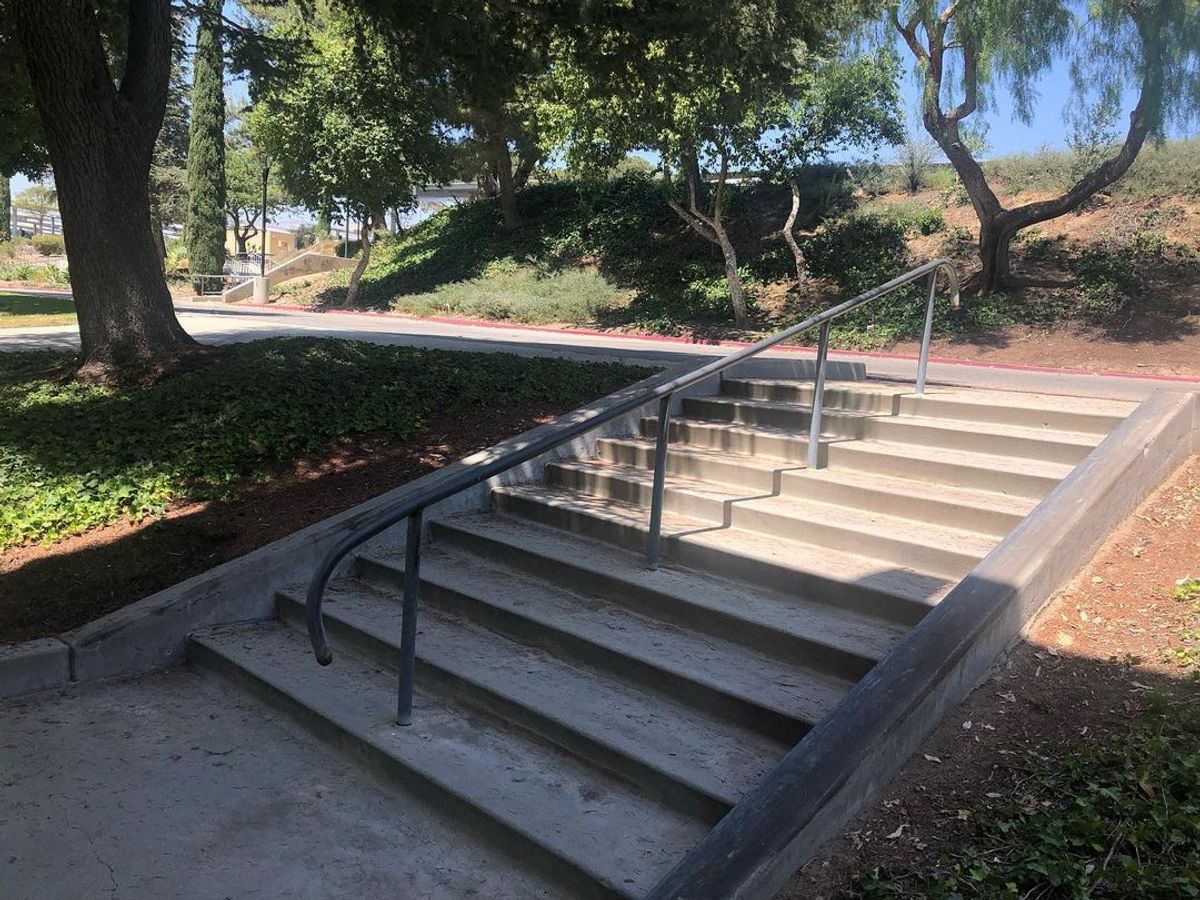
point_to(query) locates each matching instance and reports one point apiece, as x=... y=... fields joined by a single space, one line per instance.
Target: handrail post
x=408 y=624
x=814 y=429
x=927 y=334
x=654 y=538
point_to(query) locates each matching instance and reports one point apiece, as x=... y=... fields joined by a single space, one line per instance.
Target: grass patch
x=522 y=294
x=74 y=456
x=1121 y=819
x=23 y=310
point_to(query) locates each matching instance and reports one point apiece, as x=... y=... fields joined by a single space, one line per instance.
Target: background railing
x=413 y=508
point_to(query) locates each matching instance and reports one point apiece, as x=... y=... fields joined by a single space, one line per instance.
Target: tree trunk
x=101 y=141
x=789 y=232
x=526 y=163
x=504 y=174
x=995 y=242
x=379 y=219
x=363 y=260
x=737 y=292
x=5 y=209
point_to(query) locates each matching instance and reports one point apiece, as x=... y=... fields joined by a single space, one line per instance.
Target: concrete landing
x=176 y=786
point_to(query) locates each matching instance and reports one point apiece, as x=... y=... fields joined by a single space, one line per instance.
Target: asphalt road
x=223 y=324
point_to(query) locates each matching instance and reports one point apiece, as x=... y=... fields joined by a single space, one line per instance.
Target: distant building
x=278 y=241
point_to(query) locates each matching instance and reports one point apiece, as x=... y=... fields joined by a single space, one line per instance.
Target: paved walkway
x=223 y=324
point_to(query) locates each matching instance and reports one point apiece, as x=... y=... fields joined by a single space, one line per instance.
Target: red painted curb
x=789 y=348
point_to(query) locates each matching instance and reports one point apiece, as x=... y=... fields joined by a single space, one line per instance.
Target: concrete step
x=982 y=437
x=786 y=626
x=1075 y=414
x=1031 y=479
x=699 y=763
x=844 y=580
x=985 y=512
x=778 y=699
x=940 y=550
x=593 y=833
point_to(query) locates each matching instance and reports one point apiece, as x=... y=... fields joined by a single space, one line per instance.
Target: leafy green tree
x=965 y=48
x=834 y=105
x=243 y=195
x=206 y=147
x=696 y=84
x=346 y=118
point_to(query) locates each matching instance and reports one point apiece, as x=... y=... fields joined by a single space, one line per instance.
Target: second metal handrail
x=413 y=507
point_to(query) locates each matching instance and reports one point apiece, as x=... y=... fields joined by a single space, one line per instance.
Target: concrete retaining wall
x=309 y=263
x=843 y=763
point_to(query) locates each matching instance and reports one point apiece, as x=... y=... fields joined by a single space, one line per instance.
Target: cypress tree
x=5 y=209
x=206 y=148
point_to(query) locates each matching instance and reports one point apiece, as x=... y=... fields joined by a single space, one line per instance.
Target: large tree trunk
x=504 y=174
x=789 y=232
x=363 y=261
x=101 y=141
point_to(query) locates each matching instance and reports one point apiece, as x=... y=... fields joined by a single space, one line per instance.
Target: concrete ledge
x=33 y=666
x=843 y=763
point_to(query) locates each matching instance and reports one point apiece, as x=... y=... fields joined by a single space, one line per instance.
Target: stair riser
x=564 y=645
x=923 y=509
x=862 y=459
x=438 y=679
x=789 y=481
x=906 y=430
x=722 y=471
x=439 y=796
x=785 y=392
x=839 y=662
x=894 y=550
x=894 y=402
x=1064 y=420
x=859 y=598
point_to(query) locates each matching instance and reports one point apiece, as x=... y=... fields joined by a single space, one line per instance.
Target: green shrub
x=74 y=456
x=48 y=244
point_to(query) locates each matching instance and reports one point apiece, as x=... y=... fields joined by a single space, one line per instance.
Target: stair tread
x=892 y=484
x=799 y=693
x=867 y=522
x=803 y=618
x=598 y=823
x=1055 y=435
x=836 y=565
x=721 y=759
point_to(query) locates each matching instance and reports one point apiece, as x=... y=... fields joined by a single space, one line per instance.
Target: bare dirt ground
x=49 y=590
x=1083 y=672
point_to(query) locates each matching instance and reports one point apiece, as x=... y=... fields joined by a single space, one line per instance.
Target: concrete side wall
x=305 y=264
x=843 y=763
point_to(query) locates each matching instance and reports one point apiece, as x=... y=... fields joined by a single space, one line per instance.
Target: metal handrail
x=414 y=506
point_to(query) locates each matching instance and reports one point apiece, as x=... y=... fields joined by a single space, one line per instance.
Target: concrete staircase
x=595 y=719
